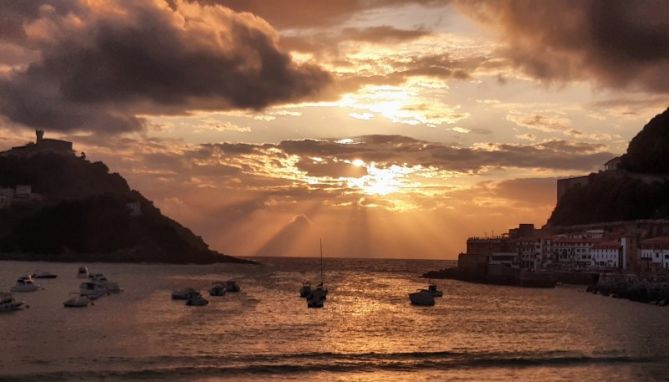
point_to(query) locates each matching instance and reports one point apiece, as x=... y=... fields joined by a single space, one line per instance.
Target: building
x=654 y=254
x=42 y=145
x=606 y=255
x=612 y=165
x=564 y=185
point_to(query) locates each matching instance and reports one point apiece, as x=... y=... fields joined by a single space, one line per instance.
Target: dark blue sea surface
x=367 y=331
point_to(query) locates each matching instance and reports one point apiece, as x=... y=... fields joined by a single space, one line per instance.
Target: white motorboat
x=432 y=289
x=93 y=290
x=422 y=298
x=82 y=273
x=111 y=286
x=183 y=294
x=217 y=290
x=196 y=300
x=44 y=275
x=8 y=303
x=77 y=300
x=25 y=284
x=305 y=290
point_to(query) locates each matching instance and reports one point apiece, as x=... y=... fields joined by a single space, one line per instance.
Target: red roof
x=660 y=242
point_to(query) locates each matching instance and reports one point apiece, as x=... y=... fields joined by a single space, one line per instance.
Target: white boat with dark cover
x=25 y=284
x=77 y=300
x=421 y=298
x=8 y=303
x=92 y=290
x=111 y=286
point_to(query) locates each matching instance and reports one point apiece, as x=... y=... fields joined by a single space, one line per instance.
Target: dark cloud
x=104 y=72
x=287 y=14
x=618 y=43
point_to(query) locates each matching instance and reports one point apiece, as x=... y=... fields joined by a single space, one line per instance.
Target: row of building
x=636 y=246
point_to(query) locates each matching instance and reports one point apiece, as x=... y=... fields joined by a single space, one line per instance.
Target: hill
x=76 y=210
x=638 y=189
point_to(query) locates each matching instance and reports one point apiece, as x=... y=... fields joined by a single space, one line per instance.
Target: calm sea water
x=367 y=331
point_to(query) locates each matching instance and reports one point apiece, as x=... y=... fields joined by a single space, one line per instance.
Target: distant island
x=608 y=228
x=57 y=206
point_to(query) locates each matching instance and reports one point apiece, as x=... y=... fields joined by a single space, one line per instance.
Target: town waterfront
x=367 y=331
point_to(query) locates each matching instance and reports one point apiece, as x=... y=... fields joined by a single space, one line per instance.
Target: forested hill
x=79 y=211
x=639 y=189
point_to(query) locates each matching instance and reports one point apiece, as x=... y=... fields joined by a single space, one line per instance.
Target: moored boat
x=44 y=275
x=197 y=300
x=183 y=294
x=93 y=290
x=421 y=298
x=77 y=300
x=25 y=284
x=217 y=290
x=8 y=303
x=82 y=273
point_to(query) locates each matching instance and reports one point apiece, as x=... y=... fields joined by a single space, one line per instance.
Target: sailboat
x=317 y=296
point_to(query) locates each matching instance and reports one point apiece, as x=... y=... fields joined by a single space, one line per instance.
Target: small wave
x=326 y=362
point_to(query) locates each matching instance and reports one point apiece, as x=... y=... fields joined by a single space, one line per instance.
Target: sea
x=367 y=331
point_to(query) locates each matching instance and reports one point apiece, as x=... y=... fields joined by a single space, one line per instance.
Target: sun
x=378 y=181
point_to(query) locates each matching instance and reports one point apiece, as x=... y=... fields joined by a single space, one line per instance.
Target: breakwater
x=651 y=289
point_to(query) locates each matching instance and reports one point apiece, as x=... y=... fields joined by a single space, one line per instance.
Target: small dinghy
x=82 y=273
x=197 y=300
x=183 y=294
x=44 y=275
x=25 y=284
x=421 y=298
x=77 y=300
x=9 y=304
x=217 y=290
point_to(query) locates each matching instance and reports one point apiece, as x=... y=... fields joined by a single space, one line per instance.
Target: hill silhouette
x=79 y=211
x=638 y=189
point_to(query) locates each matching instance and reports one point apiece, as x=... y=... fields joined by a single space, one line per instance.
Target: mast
x=321 y=243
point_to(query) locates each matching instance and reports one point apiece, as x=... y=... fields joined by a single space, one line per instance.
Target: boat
x=305 y=290
x=183 y=294
x=217 y=290
x=196 y=299
x=432 y=289
x=231 y=286
x=316 y=297
x=422 y=298
x=99 y=278
x=82 y=273
x=44 y=275
x=93 y=290
x=25 y=284
x=8 y=303
x=77 y=300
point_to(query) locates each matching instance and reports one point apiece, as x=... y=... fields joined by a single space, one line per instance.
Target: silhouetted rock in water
x=78 y=211
x=639 y=189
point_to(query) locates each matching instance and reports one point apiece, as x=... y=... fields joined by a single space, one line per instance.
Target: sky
x=388 y=128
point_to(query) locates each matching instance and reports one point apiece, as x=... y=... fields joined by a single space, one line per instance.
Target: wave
x=211 y=366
